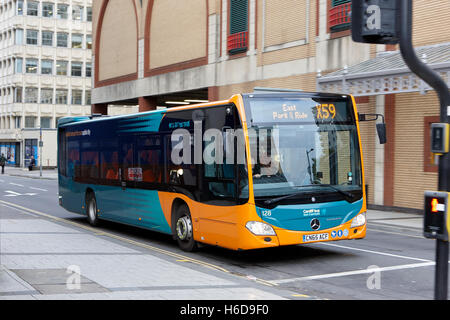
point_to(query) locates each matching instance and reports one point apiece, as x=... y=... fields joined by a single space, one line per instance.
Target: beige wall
x=118 y=41
x=410 y=180
x=178 y=32
x=431 y=23
x=285 y=23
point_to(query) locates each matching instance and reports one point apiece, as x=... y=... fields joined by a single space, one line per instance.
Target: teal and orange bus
x=259 y=170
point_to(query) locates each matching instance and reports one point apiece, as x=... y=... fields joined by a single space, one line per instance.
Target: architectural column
x=389 y=151
x=147 y=104
x=379 y=158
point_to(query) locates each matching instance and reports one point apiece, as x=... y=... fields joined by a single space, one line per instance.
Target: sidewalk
x=45 y=258
x=51 y=174
x=395 y=219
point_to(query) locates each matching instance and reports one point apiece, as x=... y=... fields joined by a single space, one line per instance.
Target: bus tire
x=183 y=229
x=91 y=209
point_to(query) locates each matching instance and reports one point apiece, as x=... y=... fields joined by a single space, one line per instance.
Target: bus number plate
x=315 y=237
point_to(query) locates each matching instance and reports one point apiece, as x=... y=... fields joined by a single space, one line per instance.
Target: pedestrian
x=32 y=163
x=3 y=162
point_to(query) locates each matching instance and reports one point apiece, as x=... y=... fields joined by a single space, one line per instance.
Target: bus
x=259 y=170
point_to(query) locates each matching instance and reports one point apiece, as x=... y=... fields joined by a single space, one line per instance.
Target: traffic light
x=440 y=136
x=436 y=219
x=375 y=21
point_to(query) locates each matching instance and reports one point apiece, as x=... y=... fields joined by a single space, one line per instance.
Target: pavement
x=48 y=174
x=45 y=258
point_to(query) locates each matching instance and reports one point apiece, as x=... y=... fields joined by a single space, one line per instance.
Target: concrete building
x=45 y=73
x=168 y=52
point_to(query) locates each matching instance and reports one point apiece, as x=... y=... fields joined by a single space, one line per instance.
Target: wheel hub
x=184 y=228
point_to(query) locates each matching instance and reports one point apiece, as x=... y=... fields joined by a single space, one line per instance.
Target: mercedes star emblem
x=315 y=224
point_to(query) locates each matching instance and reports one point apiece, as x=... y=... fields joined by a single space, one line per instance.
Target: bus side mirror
x=381 y=127
x=381 y=130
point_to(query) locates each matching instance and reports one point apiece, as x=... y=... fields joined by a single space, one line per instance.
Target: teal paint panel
x=298 y=217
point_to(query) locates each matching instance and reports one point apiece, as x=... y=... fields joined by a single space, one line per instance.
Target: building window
x=18 y=121
x=62 y=11
x=77 y=97
x=20 y=7
x=31 y=95
x=89 y=14
x=62 y=39
x=88 y=41
x=47 y=9
x=77 y=41
x=61 y=68
x=77 y=68
x=77 y=13
x=237 y=41
x=31 y=65
x=18 y=66
x=88 y=97
x=32 y=37
x=32 y=8
x=47 y=96
x=18 y=91
x=88 y=69
x=46 y=123
x=47 y=38
x=30 y=122
x=339 y=15
x=19 y=36
x=61 y=96
x=47 y=67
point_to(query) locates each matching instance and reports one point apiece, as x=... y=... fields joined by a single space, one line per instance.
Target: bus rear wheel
x=91 y=209
x=183 y=229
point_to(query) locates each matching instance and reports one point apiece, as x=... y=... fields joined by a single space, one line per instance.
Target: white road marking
x=374 y=252
x=16 y=194
x=12 y=194
x=355 y=272
x=38 y=189
x=16 y=184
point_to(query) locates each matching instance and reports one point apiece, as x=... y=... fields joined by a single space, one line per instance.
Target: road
x=393 y=262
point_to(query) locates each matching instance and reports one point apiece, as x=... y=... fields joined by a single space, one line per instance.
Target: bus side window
x=149 y=158
x=73 y=159
x=110 y=165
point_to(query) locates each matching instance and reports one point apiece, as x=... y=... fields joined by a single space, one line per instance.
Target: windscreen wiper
x=345 y=193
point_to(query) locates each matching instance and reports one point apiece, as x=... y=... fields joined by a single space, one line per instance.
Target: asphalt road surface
x=393 y=262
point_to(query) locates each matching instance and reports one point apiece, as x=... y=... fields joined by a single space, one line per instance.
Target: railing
x=237 y=42
x=339 y=16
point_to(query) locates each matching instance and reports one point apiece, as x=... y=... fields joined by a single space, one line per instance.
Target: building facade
x=45 y=73
x=163 y=53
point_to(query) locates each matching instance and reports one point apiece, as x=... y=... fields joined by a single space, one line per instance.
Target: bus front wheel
x=184 y=232
x=91 y=209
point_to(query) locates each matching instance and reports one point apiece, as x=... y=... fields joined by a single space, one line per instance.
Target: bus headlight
x=359 y=220
x=260 y=228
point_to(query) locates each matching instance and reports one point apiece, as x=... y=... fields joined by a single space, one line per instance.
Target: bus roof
x=66 y=121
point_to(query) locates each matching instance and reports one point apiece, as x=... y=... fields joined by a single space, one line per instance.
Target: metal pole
x=438 y=84
x=441 y=277
x=40 y=151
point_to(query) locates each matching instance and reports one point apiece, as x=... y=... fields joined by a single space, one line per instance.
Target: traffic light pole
x=438 y=84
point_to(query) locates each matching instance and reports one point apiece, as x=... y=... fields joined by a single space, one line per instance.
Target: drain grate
x=58 y=281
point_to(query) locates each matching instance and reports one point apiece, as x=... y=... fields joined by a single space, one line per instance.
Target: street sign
x=436 y=218
x=375 y=21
